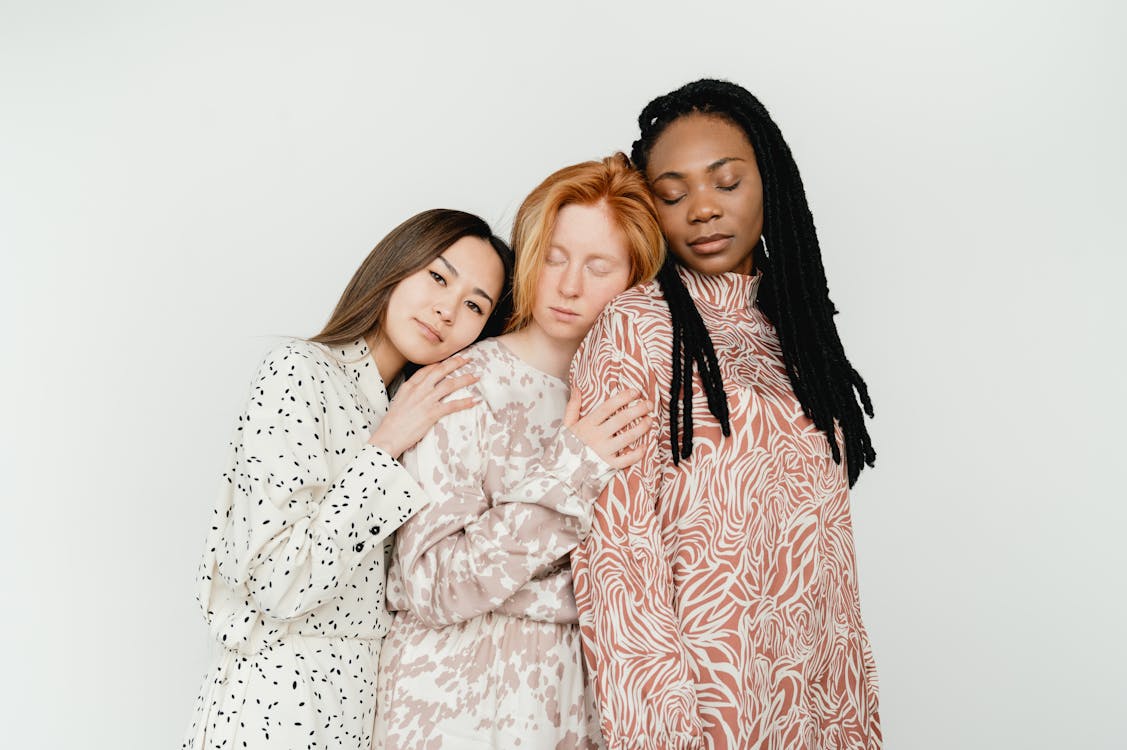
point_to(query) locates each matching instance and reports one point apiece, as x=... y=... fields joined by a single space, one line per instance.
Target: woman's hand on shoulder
x=612 y=427
x=419 y=404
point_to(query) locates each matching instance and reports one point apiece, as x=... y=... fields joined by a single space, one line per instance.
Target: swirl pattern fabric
x=718 y=598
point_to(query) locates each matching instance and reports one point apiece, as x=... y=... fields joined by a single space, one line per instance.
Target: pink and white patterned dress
x=485 y=651
x=718 y=598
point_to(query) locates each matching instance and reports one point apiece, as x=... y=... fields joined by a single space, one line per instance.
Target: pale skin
x=419 y=404
x=587 y=264
x=431 y=314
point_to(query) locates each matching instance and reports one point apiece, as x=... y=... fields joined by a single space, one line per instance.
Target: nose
x=702 y=207
x=571 y=280
x=444 y=308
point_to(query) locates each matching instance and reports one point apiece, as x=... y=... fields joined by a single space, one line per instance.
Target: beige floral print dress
x=718 y=597
x=484 y=651
x=293 y=571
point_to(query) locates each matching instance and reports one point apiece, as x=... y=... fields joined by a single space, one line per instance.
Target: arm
x=644 y=677
x=466 y=554
x=547 y=599
x=289 y=531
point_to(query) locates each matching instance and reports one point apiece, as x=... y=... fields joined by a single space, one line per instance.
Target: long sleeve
x=644 y=677
x=473 y=548
x=547 y=599
x=291 y=529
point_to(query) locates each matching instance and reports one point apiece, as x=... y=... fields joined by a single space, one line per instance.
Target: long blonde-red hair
x=611 y=182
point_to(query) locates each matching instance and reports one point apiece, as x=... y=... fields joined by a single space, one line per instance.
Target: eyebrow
x=597 y=255
x=454 y=272
x=711 y=168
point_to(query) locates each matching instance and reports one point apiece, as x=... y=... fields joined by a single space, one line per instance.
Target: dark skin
x=703 y=172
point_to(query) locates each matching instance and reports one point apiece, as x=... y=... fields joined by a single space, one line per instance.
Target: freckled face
x=442 y=308
x=703 y=172
x=587 y=264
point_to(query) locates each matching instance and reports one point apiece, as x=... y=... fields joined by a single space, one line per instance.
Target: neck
x=547 y=354
x=388 y=360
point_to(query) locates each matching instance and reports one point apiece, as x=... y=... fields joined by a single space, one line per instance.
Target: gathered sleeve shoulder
x=472 y=548
x=644 y=677
x=302 y=504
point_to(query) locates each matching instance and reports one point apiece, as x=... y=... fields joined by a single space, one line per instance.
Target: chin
x=711 y=266
x=421 y=355
x=708 y=267
x=567 y=334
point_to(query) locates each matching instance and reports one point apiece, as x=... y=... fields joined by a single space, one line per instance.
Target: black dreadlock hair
x=794 y=294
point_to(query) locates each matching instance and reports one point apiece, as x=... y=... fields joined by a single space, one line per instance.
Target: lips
x=710 y=244
x=428 y=332
x=564 y=314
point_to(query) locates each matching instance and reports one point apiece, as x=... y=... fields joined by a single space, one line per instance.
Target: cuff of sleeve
x=369 y=500
x=671 y=717
x=668 y=742
x=581 y=475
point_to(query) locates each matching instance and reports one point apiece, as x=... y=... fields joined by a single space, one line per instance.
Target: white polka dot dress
x=293 y=574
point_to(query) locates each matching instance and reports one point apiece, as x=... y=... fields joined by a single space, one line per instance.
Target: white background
x=180 y=182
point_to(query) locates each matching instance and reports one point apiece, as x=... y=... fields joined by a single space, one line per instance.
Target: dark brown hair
x=409 y=248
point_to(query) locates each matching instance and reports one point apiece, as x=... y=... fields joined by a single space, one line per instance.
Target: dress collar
x=723 y=291
x=357 y=362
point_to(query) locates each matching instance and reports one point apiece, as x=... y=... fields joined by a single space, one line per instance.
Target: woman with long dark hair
x=292 y=579
x=717 y=591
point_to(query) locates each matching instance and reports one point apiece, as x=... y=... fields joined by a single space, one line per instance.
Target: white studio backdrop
x=181 y=182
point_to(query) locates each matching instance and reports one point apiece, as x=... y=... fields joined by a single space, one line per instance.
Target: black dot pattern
x=293 y=574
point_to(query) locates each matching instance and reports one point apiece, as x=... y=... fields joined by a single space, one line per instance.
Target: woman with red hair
x=485 y=648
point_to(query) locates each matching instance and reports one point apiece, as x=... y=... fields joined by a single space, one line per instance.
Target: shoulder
x=294 y=379
x=633 y=334
x=493 y=358
x=297 y=362
x=502 y=375
x=455 y=433
x=640 y=314
x=479 y=359
x=478 y=355
x=642 y=302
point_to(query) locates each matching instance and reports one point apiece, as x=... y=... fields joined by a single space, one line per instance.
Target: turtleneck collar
x=723 y=291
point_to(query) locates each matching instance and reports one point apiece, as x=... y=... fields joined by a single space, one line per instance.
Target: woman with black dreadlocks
x=717 y=591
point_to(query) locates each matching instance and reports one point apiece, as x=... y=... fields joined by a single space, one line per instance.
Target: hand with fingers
x=419 y=404
x=612 y=427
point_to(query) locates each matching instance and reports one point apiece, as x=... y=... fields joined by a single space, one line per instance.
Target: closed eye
x=671 y=201
x=729 y=188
